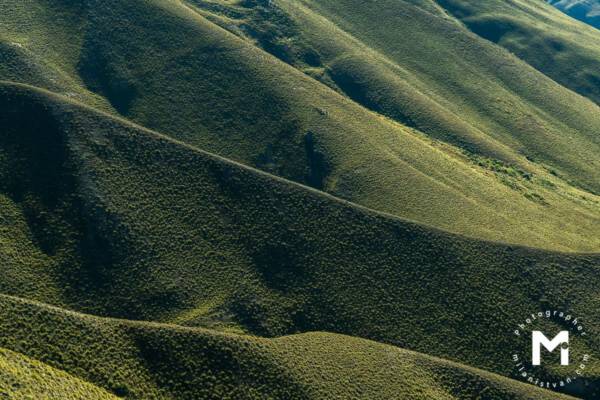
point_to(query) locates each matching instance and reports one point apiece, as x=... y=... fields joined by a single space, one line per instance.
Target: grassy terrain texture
x=564 y=49
x=308 y=199
x=507 y=155
x=250 y=253
x=152 y=361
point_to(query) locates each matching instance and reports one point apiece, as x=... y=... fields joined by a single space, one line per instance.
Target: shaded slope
x=194 y=81
x=24 y=378
x=151 y=361
x=143 y=227
x=587 y=11
x=564 y=49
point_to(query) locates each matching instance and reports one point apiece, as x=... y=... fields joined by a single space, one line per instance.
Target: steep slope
x=167 y=67
x=419 y=66
x=24 y=378
x=564 y=49
x=151 y=361
x=483 y=98
x=109 y=218
x=587 y=11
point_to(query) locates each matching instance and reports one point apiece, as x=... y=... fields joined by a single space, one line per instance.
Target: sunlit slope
x=40 y=44
x=22 y=378
x=341 y=367
x=151 y=361
x=105 y=217
x=195 y=82
x=430 y=72
x=566 y=50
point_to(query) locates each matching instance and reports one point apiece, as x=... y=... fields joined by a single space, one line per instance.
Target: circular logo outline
x=526 y=328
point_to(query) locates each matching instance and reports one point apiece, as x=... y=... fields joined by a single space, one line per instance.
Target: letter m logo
x=538 y=339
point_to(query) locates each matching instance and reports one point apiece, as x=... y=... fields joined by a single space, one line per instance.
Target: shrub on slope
x=112 y=219
x=564 y=49
x=152 y=361
x=165 y=66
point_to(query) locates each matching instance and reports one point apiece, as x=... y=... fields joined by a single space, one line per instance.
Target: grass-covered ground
x=172 y=68
x=22 y=378
x=152 y=361
x=108 y=218
x=249 y=175
x=566 y=50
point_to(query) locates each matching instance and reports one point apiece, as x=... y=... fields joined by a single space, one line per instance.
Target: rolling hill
x=277 y=199
x=509 y=155
x=24 y=378
x=562 y=48
x=153 y=361
x=146 y=228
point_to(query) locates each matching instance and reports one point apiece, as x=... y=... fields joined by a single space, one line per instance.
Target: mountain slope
x=565 y=50
x=143 y=227
x=152 y=361
x=194 y=81
x=24 y=378
x=276 y=199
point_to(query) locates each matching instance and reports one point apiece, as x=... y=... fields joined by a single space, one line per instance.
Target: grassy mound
x=112 y=219
x=562 y=48
x=151 y=361
x=521 y=144
x=383 y=171
x=23 y=378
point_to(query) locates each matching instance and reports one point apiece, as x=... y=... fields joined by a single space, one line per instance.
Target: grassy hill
x=144 y=227
x=510 y=156
x=566 y=50
x=439 y=78
x=277 y=199
x=23 y=378
x=152 y=361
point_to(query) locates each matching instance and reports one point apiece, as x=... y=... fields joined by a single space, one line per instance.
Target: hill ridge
x=315 y=136
x=172 y=234
x=296 y=184
x=169 y=335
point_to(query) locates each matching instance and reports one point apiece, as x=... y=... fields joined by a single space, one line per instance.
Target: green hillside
x=143 y=227
x=152 y=361
x=23 y=378
x=294 y=199
x=439 y=78
x=522 y=162
x=566 y=50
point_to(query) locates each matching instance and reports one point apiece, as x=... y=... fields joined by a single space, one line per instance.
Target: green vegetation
x=165 y=66
x=281 y=199
x=248 y=252
x=564 y=49
x=23 y=378
x=152 y=361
